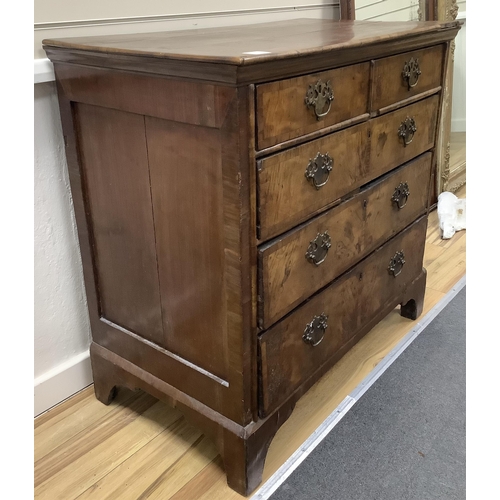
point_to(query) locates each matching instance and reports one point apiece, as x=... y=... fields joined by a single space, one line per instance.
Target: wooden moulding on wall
x=446 y=178
x=347 y=9
x=435 y=10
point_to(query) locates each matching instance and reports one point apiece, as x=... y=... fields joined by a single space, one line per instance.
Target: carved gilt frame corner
x=446 y=10
x=435 y=10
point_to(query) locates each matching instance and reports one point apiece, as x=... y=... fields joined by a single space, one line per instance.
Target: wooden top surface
x=250 y=44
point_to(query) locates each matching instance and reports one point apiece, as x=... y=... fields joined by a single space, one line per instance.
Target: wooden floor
x=138 y=448
x=457 y=150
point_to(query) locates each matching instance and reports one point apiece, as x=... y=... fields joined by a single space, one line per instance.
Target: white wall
x=61 y=321
x=62 y=18
x=62 y=332
x=458 y=103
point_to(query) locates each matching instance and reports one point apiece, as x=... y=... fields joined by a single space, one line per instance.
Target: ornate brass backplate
x=319 y=96
x=314 y=331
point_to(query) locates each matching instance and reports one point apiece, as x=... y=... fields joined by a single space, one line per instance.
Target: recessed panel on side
x=187 y=189
x=114 y=166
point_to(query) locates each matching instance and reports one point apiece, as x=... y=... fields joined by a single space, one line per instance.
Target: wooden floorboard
x=139 y=448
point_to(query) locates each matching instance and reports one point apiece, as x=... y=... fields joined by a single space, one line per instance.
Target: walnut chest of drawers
x=250 y=202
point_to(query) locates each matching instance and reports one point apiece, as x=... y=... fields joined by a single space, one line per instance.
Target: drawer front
x=394 y=139
x=403 y=76
x=291 y=108
x=305 y=260
x=289 y=190
x=295 y=184
x=287 y=354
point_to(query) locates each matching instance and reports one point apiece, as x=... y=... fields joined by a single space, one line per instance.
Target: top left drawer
x=290 y=108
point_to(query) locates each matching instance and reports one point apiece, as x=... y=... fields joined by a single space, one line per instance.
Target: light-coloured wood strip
x=158 y=455
x=57 y=412
x=457 y=150
x=67 y=480
x=183 y=471
x=73 y=419
x=446 y=271
x=82 y=442
x=146 y=470
x=203 y=482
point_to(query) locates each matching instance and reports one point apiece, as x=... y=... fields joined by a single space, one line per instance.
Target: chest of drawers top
x=250 y=53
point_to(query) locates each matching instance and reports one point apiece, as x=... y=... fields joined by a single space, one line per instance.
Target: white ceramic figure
x=451 y=214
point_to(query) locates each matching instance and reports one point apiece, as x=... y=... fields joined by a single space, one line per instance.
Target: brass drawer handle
x=314 y=331
x=318 y=170
x=396 y=264
x=319 y=96
x=411 y=72
x=318 y=248
x=400 y=195
x=407 y=130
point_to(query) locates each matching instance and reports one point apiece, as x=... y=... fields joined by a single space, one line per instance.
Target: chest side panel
x=167 y=211
x=115 y=166
x=186 y=183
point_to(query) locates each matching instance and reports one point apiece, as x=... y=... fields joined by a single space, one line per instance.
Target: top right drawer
x=399 y=77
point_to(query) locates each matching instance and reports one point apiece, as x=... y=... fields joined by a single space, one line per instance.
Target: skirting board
x=43 y=71
x=458 y=124
x=62 y=382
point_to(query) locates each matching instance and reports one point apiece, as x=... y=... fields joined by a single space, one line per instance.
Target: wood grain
x=356 y=227
x=169 y=460
x=282 y=113
x=114 y=161
x=216 y=174
x=387 y=148
x=71 y=417
x=238 y=44
x=359 y=153
x=389 y=86
x=186 y=184
x=286 y=198
x=348 y=303
x=68 y=471
x=200 y=140
x=207 y=481
x=195 y=103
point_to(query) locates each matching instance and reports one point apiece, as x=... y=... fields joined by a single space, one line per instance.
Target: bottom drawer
x=296 y=347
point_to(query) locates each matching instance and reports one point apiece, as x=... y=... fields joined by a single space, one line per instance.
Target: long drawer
x=304 y=260
x=294 y=185
x=296 y=347
x=287 y=109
